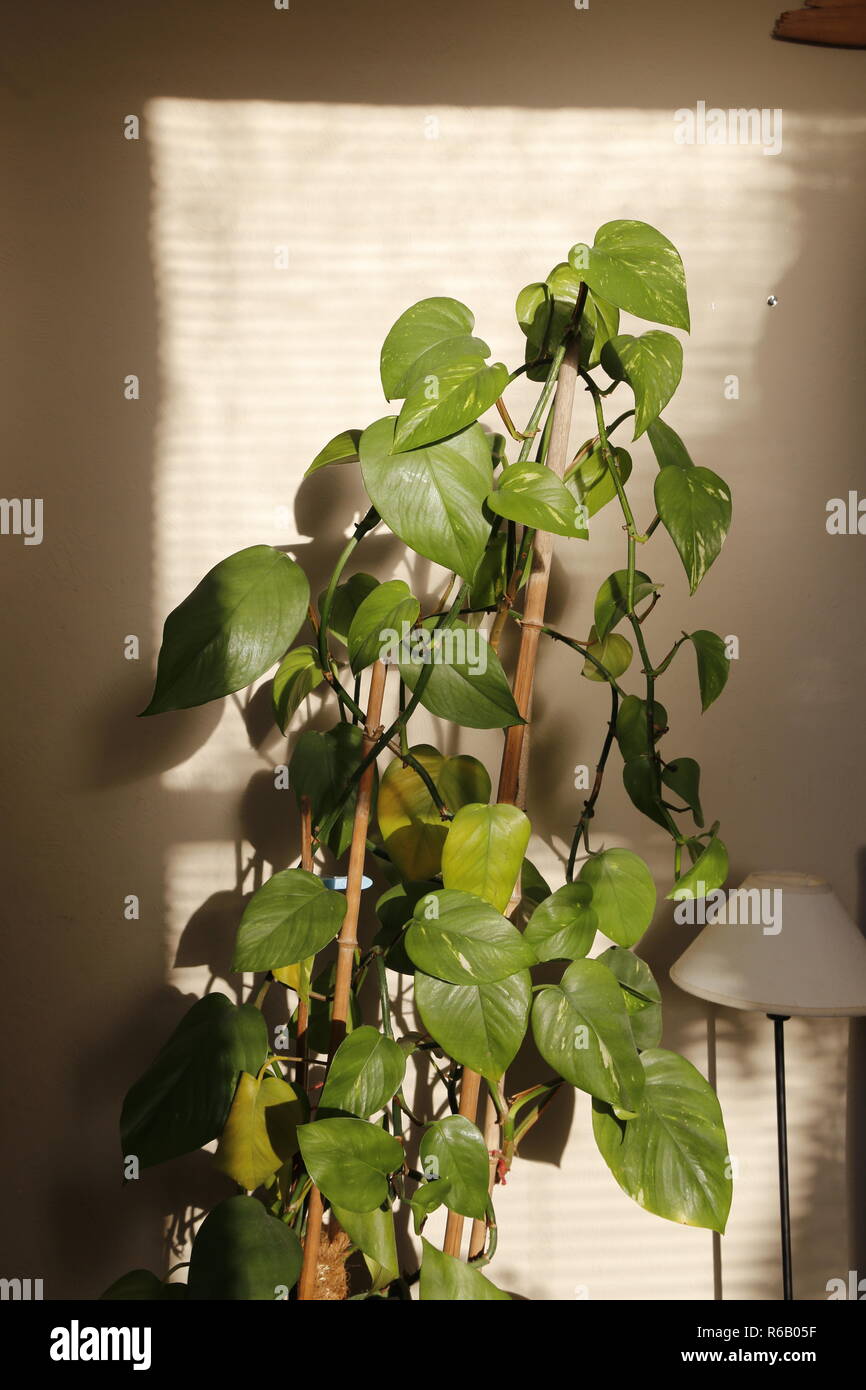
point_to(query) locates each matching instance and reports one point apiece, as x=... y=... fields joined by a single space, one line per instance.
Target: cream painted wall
x=309 y=129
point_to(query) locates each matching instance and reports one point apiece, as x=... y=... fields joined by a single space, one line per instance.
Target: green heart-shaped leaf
x=348 y=598
x=240 y=1252
x=714 y=666
x=695 y=508
x=635 y=267
x=533 y=495
x=484 y=852
x=289 y=918
x=623 y=894
x=380 y=620
x=614 y=653
x=298 y=675
x=590 y=481
x=454 y=1150
x=260 y=1134
x=432 y=498
x=444 y=1278
x=421 y=327
x=641 y=995
x=683 y=776
x=611 y=601
x=641 y=781
x=667 y=446
x=410 y=824
x=366 y=1072
x=581 y=1029
x=631 y=726
x=652 y=365
x=673 y=1158
x=183 y=1099
x=231 y=629
x=481 y=1026
x=373 y=1234
x=563 y=926
x=349 y=1161
x=320 y=768
x=709 y=872
x=467 y=684
x=461 y=939
x=454 y=387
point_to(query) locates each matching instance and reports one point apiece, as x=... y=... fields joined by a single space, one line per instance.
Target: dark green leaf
x=611 y=601
x=366 y=1072
x=349 y=1161
x=683 y=776
x=713 y=665
x=581 y=1029
x=292 y=916
x=461 y=939
x=379 y=620
x=652 y=365
x=348 y=598
x=467 y=684
x=673 y=1158
x=183 y=1099
x=533 y=495
x=623 y=894
x=631 y=726
x=633 y=266
x=394 y=910
x=231 y=629
x=450 y=387
x=299 y=674
x=695 y=508
x=139 y=1286
x=563 y=927
x=432 y=498
x=423 y=326
x=640 y=779
x=320 y=768
x=454 y=1150
x=240 y=1252
x=373 y=1234
x=669 y=449
x=481 y=1026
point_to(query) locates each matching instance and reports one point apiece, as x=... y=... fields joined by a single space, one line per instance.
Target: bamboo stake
x=303 y=1004
x=346 y=947
x=510 y=781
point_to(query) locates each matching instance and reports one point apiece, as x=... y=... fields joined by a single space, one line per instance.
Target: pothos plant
x=314 y=1122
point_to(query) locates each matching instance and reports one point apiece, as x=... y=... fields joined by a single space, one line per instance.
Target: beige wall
x=308 y=128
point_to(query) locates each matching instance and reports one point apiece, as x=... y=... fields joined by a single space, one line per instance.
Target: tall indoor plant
x=466 y=913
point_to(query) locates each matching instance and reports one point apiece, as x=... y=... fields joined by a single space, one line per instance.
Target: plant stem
x=582 y=827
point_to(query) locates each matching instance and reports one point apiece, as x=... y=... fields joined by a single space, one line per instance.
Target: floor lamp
x=782 y=945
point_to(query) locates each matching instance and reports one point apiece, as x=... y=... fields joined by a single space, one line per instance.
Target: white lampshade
x=812 y=960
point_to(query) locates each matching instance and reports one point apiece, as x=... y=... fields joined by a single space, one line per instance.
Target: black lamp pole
x=779 y=1021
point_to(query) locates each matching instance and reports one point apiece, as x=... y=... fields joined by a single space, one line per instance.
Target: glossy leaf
x=611 y=601
x=349 y=1161
x=544 y=311
x=635 y=267
x=343 y=448
x=432 y=497
x=426 y=1198
x=240 y=1252
x=673 y=1158
x=299 y=674
x=292 y=916
x=563 y=926
x=641 y=781
x=366 y=1072
x=581 y=1029
x=623 y=894
x=709 y=872
x=481 y=1026
x=348 y=598
x=183 y=1099
x=410 y=824
x=683 y=777
x=652 y=365
x=467 y=684
x=380 y=618
x=614 y=653
x=695 y=508
x=231 y=629
x=421 y=327
x=373 y=1234
x=631 y=726
x=394 y=910
x=641 y=995
x=714 y=666
x=260 y=1134
x=591 y=483
x=320 y=768
x=533 y=495
x=484 y=852
x=454 y=1150
x=444 y=1278
x=461 y=939
x=456 y=387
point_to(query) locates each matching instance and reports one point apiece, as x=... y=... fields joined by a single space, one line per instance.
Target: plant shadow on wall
x=312 y=1117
